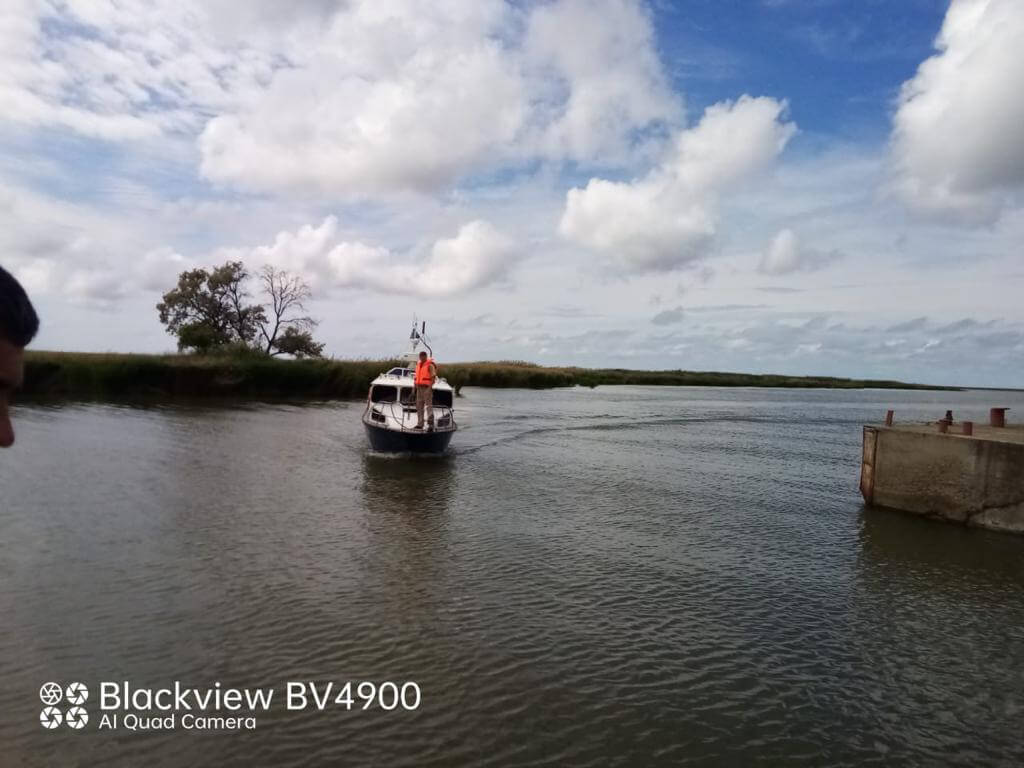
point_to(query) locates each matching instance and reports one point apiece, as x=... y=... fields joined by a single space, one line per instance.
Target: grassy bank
x=74 y=374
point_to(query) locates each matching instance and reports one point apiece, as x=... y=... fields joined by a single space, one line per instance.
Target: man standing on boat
x=426 y=375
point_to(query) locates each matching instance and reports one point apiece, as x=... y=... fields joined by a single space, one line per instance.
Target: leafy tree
x=199 y=337
x=298 y=343
x=228 y=283
x=210 y=310
x=197 y=312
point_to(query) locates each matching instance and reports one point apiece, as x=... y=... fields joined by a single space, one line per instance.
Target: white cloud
x=158 y=270
x=594 y=103
x=303 y=251
x=399 y=95
x=956 y=138
x=394 y=95
x=783 y=254
x=669 y=217
x=76 y=252
x=357 y=98
x=669 y=316
x=122 y=71
x=477 y=256
x=787 y=254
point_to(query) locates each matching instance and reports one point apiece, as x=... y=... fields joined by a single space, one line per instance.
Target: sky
x=828 y=187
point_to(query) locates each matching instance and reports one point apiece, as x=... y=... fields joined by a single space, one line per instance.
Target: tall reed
x=108 y=375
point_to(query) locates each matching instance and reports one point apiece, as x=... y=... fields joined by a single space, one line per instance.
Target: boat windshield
x=382 y=393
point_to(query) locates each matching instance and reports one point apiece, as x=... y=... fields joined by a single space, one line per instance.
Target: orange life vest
x=423 y=373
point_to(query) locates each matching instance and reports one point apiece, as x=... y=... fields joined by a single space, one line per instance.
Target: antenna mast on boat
x=419 y=335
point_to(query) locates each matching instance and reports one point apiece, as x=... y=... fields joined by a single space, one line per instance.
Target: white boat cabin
x=392 y=400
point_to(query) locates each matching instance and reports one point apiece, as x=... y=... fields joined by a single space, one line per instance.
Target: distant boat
x=390 y=415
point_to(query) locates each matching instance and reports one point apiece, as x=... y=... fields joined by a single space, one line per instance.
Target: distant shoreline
x=110 y=375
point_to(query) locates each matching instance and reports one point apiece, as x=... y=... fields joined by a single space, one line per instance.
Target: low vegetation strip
x=74 y=374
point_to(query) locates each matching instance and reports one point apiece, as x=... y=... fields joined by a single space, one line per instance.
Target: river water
x=620 y=576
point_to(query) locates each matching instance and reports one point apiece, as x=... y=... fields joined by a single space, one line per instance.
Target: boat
x=390 y=415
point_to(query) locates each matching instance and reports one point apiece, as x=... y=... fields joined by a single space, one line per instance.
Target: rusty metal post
x=888 y=418
x=968 y=427
x=997 y=417
x=867 y=465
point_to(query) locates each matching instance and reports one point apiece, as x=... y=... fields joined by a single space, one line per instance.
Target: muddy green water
x=621 y=576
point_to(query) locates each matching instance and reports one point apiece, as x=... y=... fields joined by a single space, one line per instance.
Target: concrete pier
x=962 y=472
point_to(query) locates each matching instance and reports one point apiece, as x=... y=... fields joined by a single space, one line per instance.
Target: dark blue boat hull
x=393 y=441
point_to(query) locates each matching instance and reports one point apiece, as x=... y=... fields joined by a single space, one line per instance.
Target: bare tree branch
x=288 y=294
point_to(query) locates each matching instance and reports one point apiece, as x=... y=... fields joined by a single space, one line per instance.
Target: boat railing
x=407 y=373
x=441 y=414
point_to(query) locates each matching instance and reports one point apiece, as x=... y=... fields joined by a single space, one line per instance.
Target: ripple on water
x=630 y=576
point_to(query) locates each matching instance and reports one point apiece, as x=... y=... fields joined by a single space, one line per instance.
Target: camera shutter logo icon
x=51 y=693
x=76 y=718
x=76 y=693
x=50 y=718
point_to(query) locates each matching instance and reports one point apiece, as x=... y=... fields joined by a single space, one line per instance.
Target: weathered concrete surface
x=975 y=480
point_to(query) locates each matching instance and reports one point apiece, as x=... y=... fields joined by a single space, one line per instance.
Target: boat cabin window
x=383 y=394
